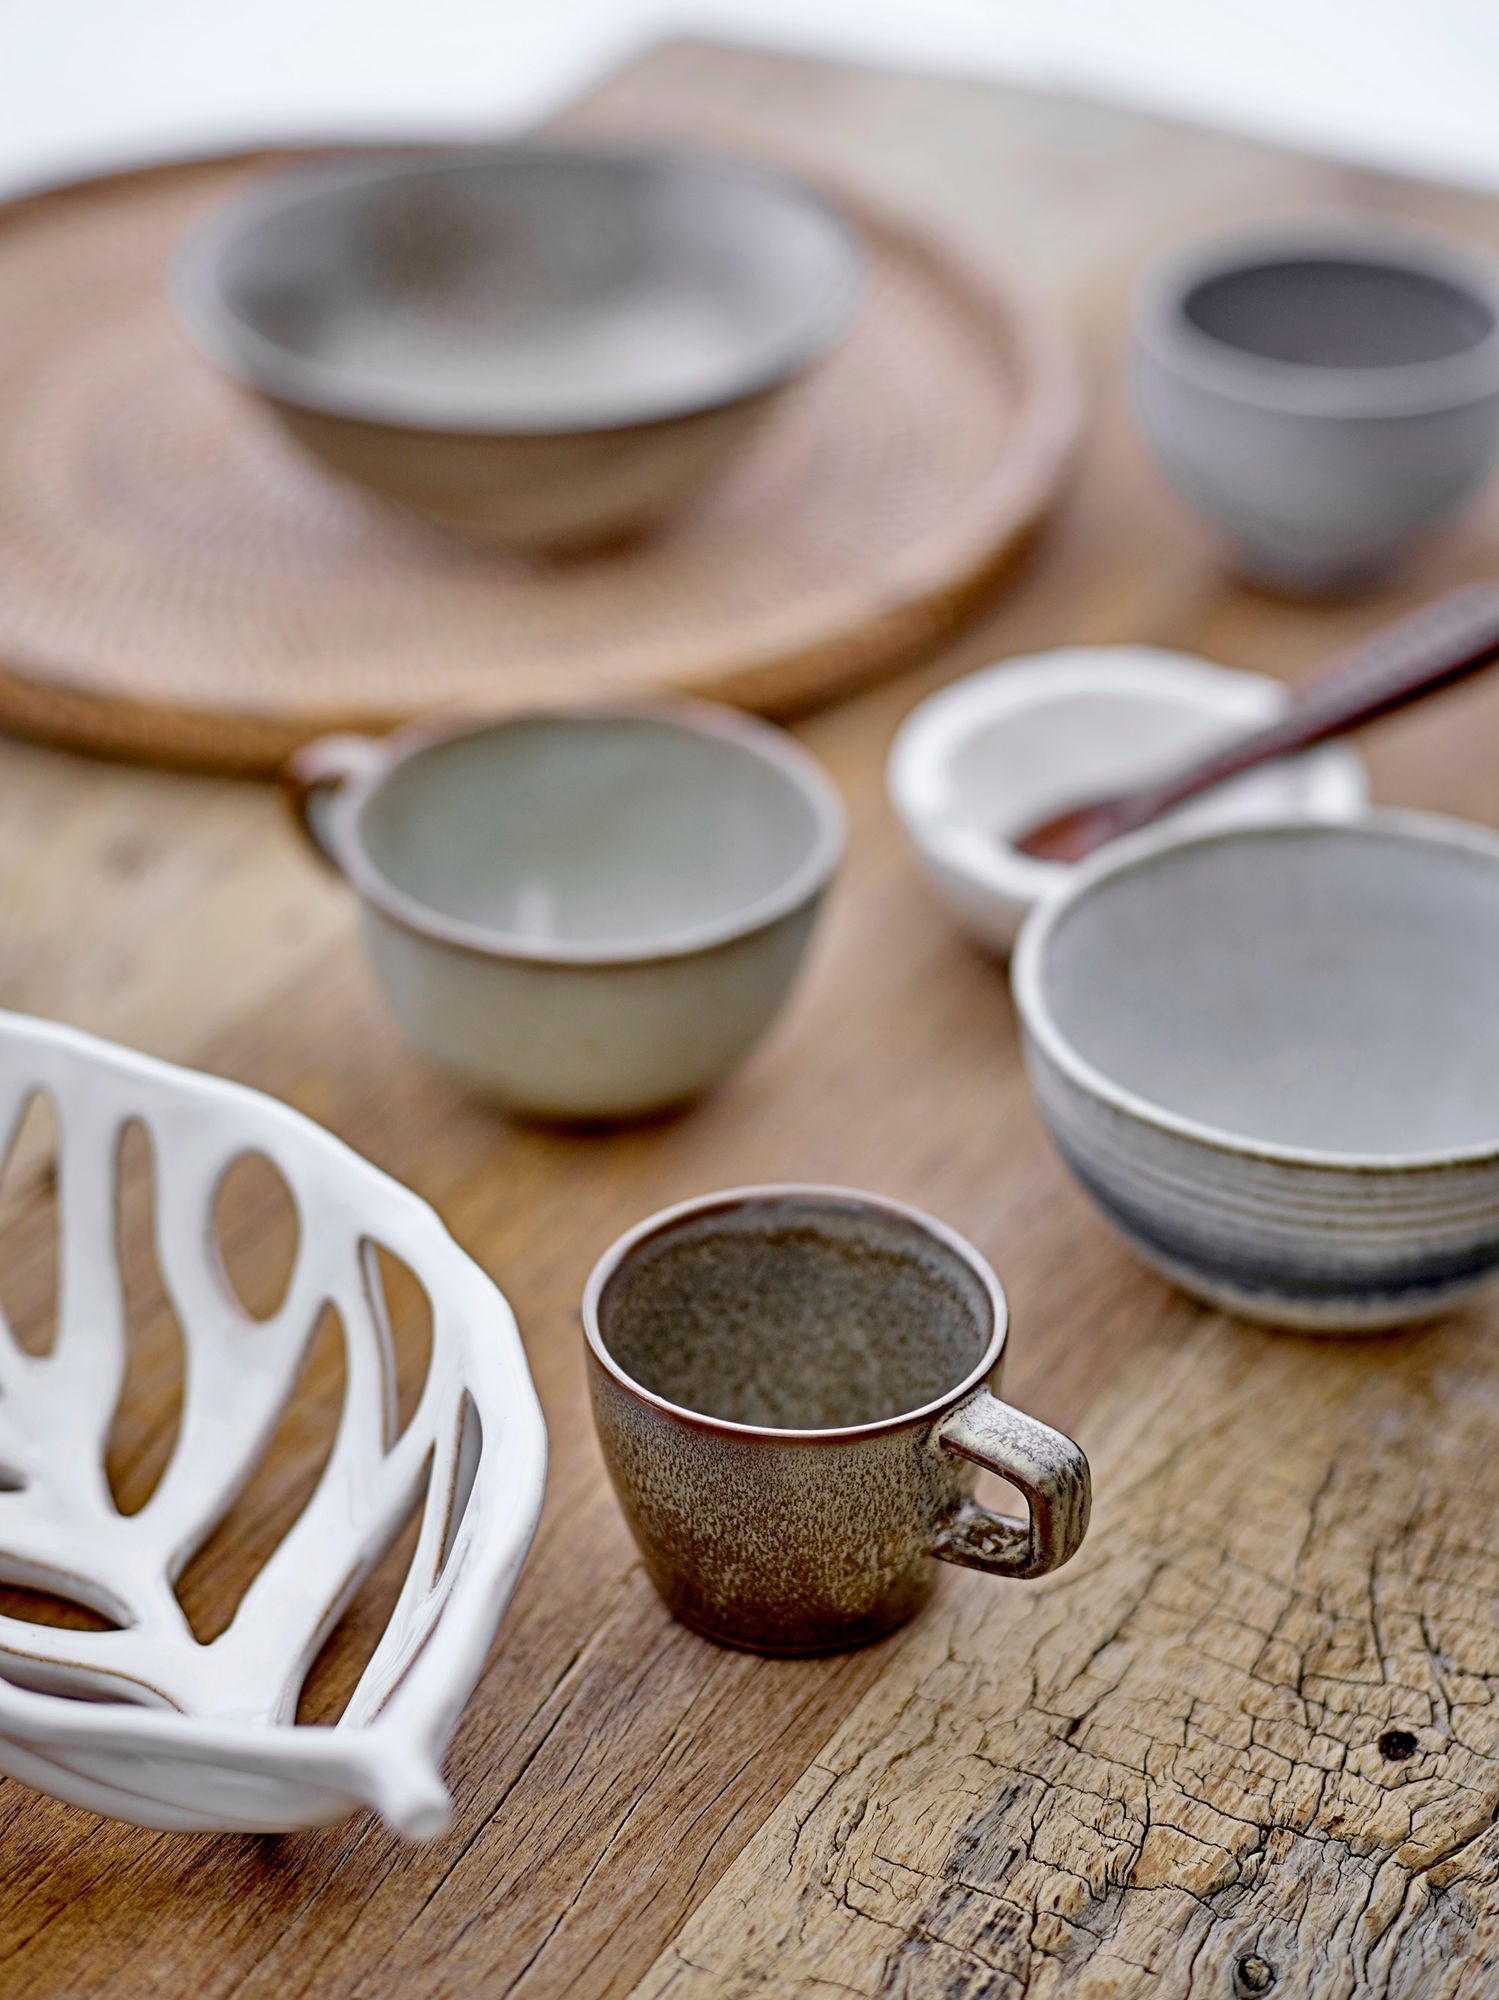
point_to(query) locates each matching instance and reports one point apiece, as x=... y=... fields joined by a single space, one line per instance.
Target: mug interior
x=608 y=830
x=796 y=1312
x=1338 y=312
x=1323 y=987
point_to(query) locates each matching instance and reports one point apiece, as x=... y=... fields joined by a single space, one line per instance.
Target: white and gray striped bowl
x=1271 y=1056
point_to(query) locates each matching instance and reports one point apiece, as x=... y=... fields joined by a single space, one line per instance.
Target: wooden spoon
x=1443 y=643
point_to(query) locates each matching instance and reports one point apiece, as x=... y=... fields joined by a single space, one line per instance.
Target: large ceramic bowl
x=142 y=1721
x=589 y=913
x=1271 y=1056
x=549 y=345
x=994 y=752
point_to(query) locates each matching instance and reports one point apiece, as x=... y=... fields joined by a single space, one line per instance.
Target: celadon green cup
x=588 y=913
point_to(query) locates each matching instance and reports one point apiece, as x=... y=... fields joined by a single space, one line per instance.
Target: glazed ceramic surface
x=548 y=344
x=1271 y=1055
x=143 y=1722
x=590 y=913
x=1323 y=393
x=793 y=1388
x=992 y=753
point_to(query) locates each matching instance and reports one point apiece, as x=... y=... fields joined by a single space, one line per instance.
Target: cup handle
x=312 y=775
x=1050 y=1471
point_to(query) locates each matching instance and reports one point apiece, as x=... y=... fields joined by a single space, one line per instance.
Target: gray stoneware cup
x=794 y=1388
x=1324 y=392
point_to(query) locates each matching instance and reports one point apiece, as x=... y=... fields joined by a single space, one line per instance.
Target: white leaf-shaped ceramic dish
x=145 y=1723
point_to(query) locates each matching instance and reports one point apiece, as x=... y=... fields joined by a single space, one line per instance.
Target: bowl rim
x=944 y=722
x=1162 y=332
x=303 y=382
x=1141 y=850
x=749 y=734
x=766 y=1194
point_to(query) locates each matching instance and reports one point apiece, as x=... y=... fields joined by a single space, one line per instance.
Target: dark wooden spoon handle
x=1429 y=650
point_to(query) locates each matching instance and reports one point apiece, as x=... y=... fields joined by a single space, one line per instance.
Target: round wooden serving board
x=178 y=584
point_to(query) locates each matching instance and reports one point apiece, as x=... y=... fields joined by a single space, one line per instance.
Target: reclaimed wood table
x=1247 y=1742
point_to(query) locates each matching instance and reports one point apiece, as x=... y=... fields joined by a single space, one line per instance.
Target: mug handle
x=1050 y=1471
x=312 y=775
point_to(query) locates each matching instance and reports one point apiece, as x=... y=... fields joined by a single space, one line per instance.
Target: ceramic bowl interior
x=797 y=1312
x=1339 y=311
x=1318 y=987
x=603 y=832
x=522 y=290
x=994 y=752
x=1335 y=319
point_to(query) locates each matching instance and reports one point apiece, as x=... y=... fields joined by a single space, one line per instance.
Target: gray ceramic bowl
x=548 y=345
x=588 y=913
x=1323 y=392
x=1271 y=1056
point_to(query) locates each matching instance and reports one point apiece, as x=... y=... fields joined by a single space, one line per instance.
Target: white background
x=88 y=82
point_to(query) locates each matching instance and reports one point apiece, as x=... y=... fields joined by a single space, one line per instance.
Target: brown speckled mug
x=793 y=1389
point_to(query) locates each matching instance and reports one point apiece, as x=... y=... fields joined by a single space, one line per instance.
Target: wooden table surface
x=1160 y=1772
